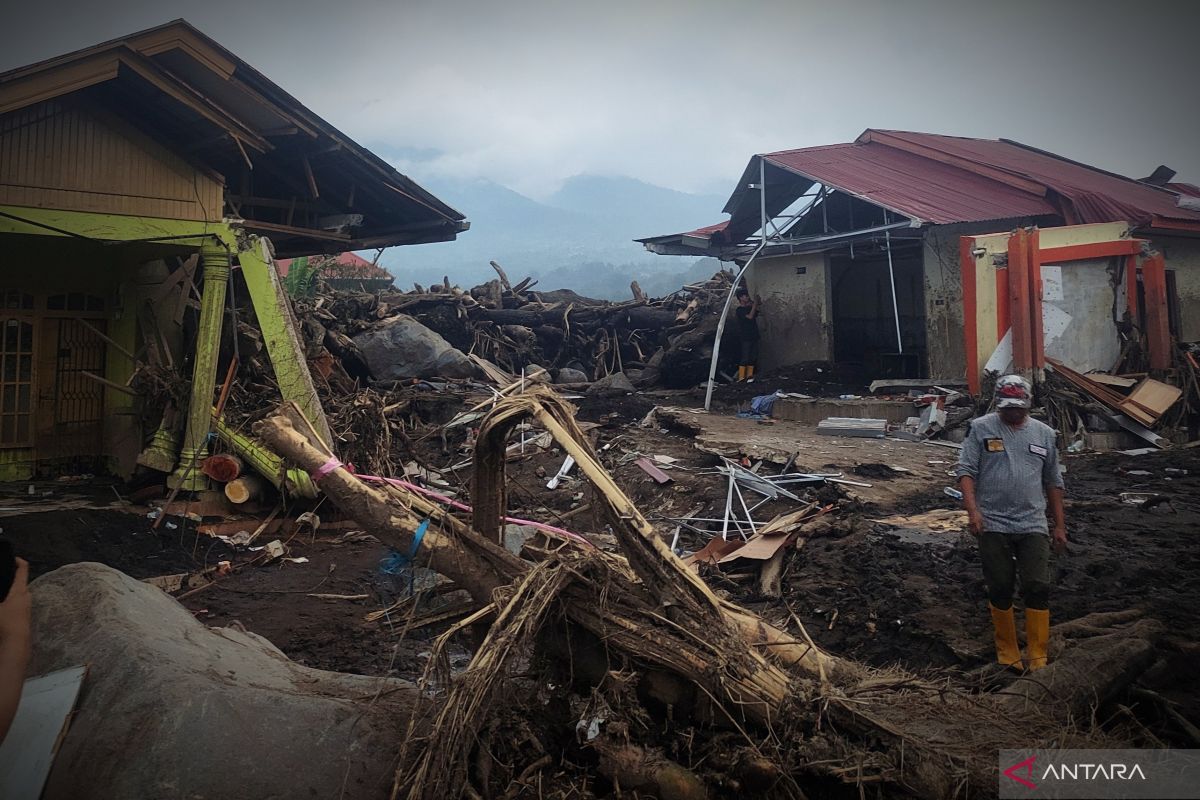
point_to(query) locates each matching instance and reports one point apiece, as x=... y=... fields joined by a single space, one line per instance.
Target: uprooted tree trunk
x=652 y=612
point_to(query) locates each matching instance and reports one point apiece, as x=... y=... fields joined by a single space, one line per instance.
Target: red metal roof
x=946 y=179
x=1084 y=193
x=910 y=184
x=344 y=265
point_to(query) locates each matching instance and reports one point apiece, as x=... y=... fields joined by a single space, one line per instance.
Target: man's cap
x=1012 y=391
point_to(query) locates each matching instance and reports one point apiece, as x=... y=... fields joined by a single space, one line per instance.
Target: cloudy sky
x=680 y=94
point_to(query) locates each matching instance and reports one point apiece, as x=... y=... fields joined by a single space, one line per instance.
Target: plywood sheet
x=1154 y=396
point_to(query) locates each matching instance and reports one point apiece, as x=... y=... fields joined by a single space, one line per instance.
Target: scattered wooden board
x=1154 y=397
x=647 y=466
x=1111 y=380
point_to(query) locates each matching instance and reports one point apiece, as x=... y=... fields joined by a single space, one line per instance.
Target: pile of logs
x=666 y=340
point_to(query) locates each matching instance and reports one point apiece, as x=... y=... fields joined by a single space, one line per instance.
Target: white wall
x=1078 y=301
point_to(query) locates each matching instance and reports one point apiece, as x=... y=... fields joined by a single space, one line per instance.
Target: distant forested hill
x=580 y=238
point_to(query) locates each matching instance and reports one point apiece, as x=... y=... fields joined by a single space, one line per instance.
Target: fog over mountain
x=580 y=237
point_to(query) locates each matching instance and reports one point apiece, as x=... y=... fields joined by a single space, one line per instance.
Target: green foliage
x=301 y=279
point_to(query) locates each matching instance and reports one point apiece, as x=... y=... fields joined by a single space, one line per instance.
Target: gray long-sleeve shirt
x=1011 y=468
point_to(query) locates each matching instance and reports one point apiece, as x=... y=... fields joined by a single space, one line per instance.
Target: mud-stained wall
x=944 y=338
x=1078 y=302
x=795 y=321
x=1183 y=257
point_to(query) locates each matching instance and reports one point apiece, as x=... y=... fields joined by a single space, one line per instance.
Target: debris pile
x=1085 y=408
x=646 y=671
x=432 y=332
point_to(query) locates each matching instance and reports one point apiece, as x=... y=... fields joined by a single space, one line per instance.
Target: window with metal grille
x=16 y=382
x=16 y=300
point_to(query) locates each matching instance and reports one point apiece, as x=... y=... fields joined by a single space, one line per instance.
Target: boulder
x=568 y=375
x=401 y=347
x=611 y=385
x=172 y=708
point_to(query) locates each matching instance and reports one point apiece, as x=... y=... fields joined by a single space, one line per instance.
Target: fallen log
x=245 y=489
x=652 y=613
x=222 y=467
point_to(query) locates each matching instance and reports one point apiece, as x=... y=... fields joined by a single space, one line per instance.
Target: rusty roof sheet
x=1085 y=193
x=910 y=184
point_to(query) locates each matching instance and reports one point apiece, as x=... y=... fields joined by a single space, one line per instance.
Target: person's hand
x=975 y=523
x=1058 y=539
x=15 y=611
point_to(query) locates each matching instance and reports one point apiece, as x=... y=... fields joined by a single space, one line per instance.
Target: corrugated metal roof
x=911 y=184
x=947 y=179
x=1186 y=189
x=1087 y=194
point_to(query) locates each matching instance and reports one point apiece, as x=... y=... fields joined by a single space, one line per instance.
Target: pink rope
x=326 y=468
x=441 y=498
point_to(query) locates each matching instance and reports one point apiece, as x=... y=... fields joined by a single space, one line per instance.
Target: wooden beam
x=118 y=386
x=115 y=345
x=309 y=233
x=266 y=202
x=312 y=181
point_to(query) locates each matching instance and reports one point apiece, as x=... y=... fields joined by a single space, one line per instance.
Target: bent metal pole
x=887 y=235
x=716 y=355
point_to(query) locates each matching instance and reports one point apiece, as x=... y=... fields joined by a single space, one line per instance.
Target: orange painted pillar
x=1037 y=333
x=1019 y=308
x=1158 y=332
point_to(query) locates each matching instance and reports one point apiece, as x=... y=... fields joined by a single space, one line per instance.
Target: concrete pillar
x=215 y=267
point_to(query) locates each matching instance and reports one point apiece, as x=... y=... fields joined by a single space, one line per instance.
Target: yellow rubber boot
x=1007 y=652
x=1037 y=634
x=750 y=372
x=741 y=374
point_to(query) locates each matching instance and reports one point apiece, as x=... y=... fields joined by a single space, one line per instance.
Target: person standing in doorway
x=1008 y=470
x=747 y=325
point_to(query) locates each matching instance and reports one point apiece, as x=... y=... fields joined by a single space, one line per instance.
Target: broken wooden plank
x=1111 y=380
x=647 y=466
x=1154 y=397
x=118 y=386
x=449 y=613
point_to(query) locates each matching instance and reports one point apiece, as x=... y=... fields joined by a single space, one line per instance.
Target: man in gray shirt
x=1008 y=469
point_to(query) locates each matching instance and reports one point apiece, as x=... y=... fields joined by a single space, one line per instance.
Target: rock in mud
x=402 y=348
x=568 y=375
x=611 y=385
x=172 y=708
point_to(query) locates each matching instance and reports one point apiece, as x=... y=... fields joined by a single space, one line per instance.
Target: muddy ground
x=880 y=595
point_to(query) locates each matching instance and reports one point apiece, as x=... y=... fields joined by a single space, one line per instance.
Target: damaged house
x=859 y=251
x=145 y=184
x=342 y=272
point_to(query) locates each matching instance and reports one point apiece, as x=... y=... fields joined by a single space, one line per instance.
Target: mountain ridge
x=580 y=237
